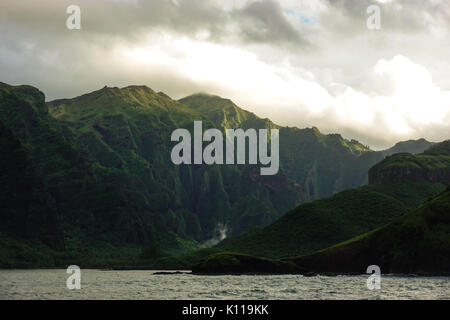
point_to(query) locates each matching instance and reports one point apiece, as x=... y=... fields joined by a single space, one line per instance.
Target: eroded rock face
x=433 y=165
x=396 y=174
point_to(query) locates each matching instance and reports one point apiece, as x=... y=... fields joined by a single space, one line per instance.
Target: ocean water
x=98 y=284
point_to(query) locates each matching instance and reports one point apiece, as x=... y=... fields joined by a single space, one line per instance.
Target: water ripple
x=96 y=284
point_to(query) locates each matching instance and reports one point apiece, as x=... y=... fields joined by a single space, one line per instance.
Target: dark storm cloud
x=34 y=40
x=264 y=21
x=402 y=16
x=259 y=21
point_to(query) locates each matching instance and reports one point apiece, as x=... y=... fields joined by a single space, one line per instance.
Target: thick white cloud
x=395 y=99
x=300 y=63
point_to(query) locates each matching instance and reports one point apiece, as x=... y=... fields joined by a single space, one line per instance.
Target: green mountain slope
x=400 y=182
x=86 y=195
x=128 y=130
x=356 y=170
x=321 y=223
x=416 y=242
x=314 y=161
x=104 y=162
x=432 y=165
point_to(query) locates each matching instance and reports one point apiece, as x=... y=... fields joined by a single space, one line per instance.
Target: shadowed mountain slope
x=400 y=182
x=103 y=159
x=416 y=242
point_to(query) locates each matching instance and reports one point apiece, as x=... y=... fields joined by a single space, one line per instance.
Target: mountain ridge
x=316 y=225
x=413 y=240
x=103 y=158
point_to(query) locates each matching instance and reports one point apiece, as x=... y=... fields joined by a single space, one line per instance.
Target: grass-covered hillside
x=407 y=180
x=321 y=223
x=416 y=242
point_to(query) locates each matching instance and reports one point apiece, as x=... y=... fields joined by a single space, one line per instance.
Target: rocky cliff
x=432 y=165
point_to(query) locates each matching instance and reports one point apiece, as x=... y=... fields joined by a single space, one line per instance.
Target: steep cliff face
x=25 y=210
x=398 y=183
x=396 y=173
x=355 y=171
x=432 y=165
x=127 y=132
x=319 y=164
x=104 y=160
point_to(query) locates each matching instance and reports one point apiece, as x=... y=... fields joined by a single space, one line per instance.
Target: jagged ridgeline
x=398 y=183
x=401 y=223
x=104 y=162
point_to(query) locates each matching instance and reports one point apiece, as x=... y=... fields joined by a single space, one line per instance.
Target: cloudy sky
x=299 y=62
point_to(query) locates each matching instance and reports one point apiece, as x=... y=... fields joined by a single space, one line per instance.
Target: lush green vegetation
x=411 y=240
x=23 y=253
x=416 y=242
x=424 y=161
x=98 y=183
x=431 y=165
x=321 y=223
